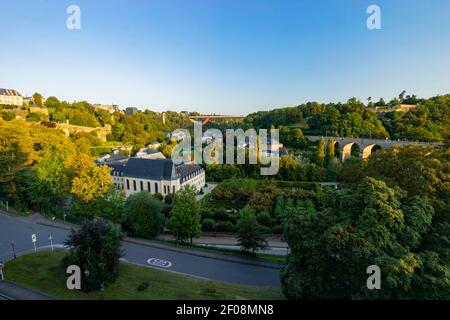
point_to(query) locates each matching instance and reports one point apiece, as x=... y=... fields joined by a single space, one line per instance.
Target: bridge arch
x=368 y=150
x=349 y=149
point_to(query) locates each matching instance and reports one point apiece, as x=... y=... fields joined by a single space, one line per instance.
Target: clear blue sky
x=224 y=56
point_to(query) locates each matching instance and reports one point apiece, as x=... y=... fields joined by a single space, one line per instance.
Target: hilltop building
x=10 y=97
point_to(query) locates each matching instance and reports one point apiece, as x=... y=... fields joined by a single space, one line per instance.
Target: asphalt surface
x=205 y=265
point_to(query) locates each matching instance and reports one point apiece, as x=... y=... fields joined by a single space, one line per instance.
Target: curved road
x=206 y=265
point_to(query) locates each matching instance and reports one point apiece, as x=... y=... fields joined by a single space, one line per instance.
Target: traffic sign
x=34 y=239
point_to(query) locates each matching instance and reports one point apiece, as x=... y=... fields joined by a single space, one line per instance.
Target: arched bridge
x=205 y=118
x=366 y=146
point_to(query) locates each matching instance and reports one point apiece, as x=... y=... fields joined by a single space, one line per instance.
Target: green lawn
x=42 y=271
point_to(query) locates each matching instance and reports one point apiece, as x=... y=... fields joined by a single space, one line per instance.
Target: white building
x=156 y=176
x=10 y=97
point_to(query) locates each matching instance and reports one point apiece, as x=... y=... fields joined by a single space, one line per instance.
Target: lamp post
x=50 y=238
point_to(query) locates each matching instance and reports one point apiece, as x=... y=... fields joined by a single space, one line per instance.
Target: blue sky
x=224 y=56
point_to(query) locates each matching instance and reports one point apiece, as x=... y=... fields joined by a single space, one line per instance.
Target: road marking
x=159 y=263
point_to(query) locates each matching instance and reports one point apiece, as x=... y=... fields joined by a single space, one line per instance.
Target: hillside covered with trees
x=428 y=121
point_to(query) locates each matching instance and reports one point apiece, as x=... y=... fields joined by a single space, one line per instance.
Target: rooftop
x=9 y=92
x=154 y=169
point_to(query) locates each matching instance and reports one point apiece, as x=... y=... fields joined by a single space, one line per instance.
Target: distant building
x=11 y=97
x=156 y=176
x=131 y=111
x=112 y=159
x=123 y=150
x=177 y=136
x=111 y=108
x=148 y=153
x=155 y=145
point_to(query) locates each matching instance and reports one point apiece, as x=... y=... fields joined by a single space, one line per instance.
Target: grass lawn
x=42 y=271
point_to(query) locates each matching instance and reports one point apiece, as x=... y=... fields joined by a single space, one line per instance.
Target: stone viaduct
x=366 y=146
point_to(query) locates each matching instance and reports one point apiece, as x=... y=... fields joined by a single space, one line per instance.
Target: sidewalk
x=12 y=291
x=228 y=240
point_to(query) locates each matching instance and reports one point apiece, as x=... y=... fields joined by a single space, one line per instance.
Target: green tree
x=369 y=224
x=143 y=217
x=330 y=150
x=95 y=248
x=38 y=99
x=250 y=232
x=320 y=153
x=184 y=219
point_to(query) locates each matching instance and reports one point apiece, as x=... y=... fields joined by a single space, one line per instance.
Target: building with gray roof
x=155 y=176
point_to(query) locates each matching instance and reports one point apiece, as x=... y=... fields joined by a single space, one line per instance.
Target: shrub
x=208 y=225
x=225 y=226
x=159 y=196
x=8 y=116
x=264 y=219
x=143 y=286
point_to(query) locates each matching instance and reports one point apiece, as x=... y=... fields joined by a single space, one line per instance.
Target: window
x=142 y=186
x=156 y=188
x=134 y=185
x=128 y=184
x=173 y=188
x=148 y=187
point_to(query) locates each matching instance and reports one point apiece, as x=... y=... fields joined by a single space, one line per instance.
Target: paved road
x=211 y=266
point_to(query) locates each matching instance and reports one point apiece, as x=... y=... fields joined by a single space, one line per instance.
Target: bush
x=159 y=196
x=264 y=219
x=8 y=116
x=208 y=225
x=36 y=117
x=95 y=248
x=143 y=286
x=220 y=214
x=225 y=226
x=168 y=198
x=143 y=217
